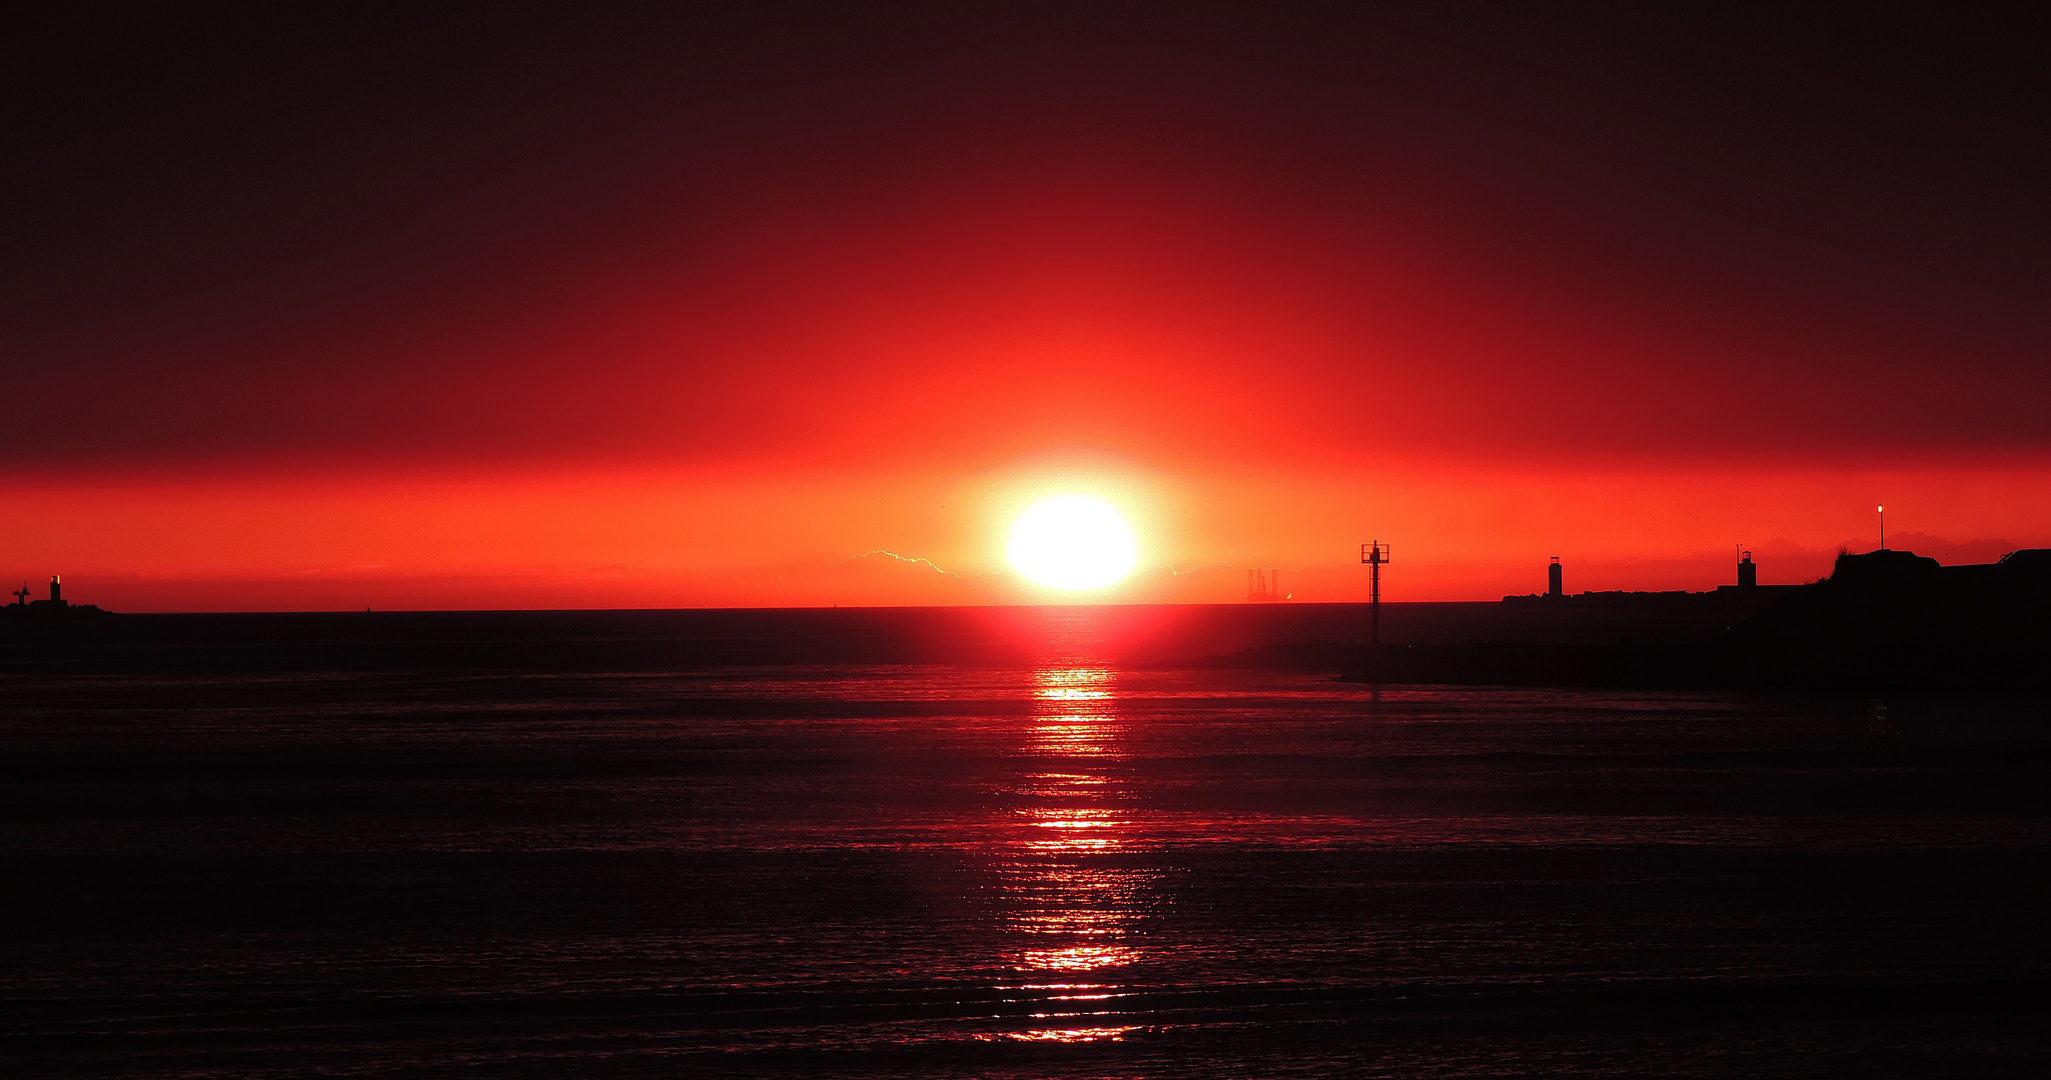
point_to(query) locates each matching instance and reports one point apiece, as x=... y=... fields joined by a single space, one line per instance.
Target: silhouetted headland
x=1884 y=619
x=55 y=607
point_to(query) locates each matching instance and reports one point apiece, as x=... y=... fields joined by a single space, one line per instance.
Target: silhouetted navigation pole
x=1374 y=553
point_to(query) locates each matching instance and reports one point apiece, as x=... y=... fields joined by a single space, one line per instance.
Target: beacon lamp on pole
x=1882 y=511
x=1374 y=554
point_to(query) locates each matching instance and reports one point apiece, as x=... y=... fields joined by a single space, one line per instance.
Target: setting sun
x=1072 y=542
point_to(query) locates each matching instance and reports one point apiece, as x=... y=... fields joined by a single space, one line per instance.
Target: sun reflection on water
x=1081 y=1034
x=1076 y=914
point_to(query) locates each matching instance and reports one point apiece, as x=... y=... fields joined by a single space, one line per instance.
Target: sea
x=1053 y=861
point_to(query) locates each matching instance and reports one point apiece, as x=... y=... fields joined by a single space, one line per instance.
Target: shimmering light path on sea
x=1068 y=869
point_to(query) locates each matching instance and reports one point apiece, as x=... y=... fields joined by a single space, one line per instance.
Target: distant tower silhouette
x=1375 y=554
x=1748 y=574
x=56 y=591
x=1552 y=579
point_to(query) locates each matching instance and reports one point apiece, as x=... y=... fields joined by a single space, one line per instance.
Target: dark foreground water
x=1065 y=870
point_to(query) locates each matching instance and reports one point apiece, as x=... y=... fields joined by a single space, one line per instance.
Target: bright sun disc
x=1072 y=542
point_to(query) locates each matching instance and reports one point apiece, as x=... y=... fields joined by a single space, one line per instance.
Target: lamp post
x=1882 y=511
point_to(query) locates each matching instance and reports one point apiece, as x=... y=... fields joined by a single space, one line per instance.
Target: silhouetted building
x=1885 y=567
x=54 y=606
x=2034 y=561
x=1263 y=587
x=1553 y=586
x=56 y=600
x=1748 y=574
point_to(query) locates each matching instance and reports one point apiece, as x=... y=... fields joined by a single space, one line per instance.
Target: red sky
x=535 y=307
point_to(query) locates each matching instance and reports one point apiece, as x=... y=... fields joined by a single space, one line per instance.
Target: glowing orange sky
x=400 y=316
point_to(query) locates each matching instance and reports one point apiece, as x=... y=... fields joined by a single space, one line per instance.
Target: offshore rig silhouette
x=1264 y=587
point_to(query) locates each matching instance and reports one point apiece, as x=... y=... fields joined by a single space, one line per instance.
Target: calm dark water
x=1068 y=869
